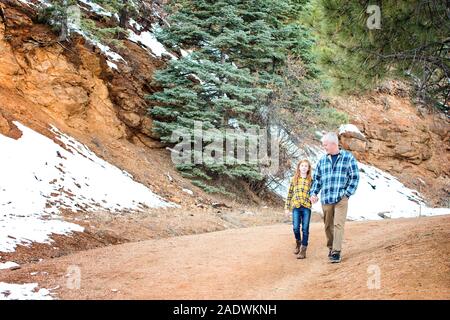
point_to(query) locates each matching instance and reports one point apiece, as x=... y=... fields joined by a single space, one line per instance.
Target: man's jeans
x=301 y=216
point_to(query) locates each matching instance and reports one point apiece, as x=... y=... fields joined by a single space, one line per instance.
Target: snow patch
x=148 y=40
x=110 y=54
x=112 y=65
x=234 y=123
x=350 y=128
x=30 y=227
x=94 y=7
x=27 y=291
x=135 y=24
x=185 y=53
x=32 y=4
x=8 y=265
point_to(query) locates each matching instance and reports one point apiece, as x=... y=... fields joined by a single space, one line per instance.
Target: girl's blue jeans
x=301 y=216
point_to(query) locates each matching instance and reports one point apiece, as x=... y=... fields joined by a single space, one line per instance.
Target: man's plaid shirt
x=338 y=181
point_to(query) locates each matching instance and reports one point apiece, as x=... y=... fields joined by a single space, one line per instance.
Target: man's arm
x=353 y=178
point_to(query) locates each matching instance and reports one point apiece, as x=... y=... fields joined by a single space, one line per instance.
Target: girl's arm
x=317 y=183
x=310 y=187
x=289 y=196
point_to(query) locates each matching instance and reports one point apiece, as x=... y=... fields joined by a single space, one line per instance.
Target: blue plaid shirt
x=336 y=181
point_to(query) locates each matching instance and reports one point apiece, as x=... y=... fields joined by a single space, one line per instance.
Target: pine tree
x=239 y=48
x=125 y=9
x=207 y=91
x=412 y=43
x=56 y=15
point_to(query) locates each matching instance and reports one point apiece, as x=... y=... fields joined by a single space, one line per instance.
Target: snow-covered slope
x=380 y=194
x=38 y=178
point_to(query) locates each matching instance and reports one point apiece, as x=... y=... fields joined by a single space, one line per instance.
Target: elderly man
x=336 y=176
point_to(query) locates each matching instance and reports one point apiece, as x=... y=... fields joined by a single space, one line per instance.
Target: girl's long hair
x=297 y=171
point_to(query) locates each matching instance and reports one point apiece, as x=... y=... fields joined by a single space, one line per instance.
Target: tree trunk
x=64 y=32
x=124 y=15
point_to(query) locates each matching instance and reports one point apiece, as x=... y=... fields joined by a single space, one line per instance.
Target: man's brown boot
x=297 y=247
x=302 y=254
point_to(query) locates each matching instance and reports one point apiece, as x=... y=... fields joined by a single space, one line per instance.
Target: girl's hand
x=286 y=212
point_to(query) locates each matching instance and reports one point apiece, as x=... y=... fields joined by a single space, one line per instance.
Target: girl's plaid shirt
x=298 y=194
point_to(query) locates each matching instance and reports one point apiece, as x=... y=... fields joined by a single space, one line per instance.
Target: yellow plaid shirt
x=298 y=194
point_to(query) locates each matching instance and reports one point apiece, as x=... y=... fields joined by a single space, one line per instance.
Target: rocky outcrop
x=128 y=89
x=410 y=143
x=41 y=73
x=8 y=128
x=352 y=139
x=73 y=81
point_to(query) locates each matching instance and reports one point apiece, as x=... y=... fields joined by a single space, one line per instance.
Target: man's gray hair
x=330 y=137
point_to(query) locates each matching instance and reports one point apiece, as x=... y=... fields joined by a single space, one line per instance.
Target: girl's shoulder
x=292 y=182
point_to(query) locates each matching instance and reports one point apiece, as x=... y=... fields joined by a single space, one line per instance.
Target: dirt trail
x=413 y=256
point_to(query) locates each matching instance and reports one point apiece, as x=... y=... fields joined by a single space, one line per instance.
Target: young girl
x=298 y=201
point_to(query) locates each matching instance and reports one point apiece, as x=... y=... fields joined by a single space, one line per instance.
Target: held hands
x=314 y=199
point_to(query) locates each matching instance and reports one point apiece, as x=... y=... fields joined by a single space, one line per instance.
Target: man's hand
x=314 y=199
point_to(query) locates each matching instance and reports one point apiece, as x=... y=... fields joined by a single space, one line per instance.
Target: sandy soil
x=411 y=255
